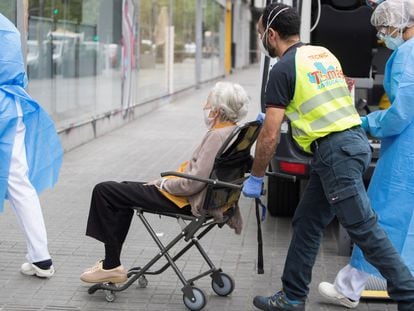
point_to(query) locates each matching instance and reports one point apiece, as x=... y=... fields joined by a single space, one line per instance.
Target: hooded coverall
x=30 y=150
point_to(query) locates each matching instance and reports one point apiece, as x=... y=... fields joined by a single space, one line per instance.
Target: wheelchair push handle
x=204 y=180
x=281 y=175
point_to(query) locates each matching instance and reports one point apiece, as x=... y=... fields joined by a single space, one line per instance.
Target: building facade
x=95 y=64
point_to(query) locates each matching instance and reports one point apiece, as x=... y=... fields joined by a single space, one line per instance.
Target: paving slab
x=156 y=142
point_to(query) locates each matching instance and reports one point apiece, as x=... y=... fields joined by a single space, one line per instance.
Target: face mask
x=262 y=47
x=393 y=43
x=207 y=119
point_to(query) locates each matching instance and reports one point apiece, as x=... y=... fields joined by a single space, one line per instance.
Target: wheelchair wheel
x=109 y=296
x=142 y=281
x=227 y=286
x=199 y=301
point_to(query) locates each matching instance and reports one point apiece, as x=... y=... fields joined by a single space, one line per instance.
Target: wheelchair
x=224 y=186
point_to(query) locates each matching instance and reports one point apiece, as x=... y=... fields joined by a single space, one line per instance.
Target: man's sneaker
x=97 y=274
x=328 y=291
x=31 y=269
x=278 y=302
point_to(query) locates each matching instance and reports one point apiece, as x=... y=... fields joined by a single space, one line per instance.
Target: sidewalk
x=157 y=142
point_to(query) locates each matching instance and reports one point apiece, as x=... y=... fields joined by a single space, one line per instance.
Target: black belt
x=314 y=145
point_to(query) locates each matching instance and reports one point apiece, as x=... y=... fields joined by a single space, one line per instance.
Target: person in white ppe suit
x=391 y=190
x=30 y=152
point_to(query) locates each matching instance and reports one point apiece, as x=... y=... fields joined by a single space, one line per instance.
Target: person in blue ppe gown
x=391 y=190
x=30 y=152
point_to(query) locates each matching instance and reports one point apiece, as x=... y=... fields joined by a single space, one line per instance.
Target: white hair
x=230 y=99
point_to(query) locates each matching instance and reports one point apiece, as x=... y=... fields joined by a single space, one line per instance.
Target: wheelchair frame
x=222 y=284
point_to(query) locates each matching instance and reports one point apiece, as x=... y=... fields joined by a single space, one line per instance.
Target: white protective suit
x=30 y=150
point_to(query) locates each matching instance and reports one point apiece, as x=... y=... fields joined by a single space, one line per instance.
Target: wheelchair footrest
x=94 y=288
x=103 y=286
x=134 y=269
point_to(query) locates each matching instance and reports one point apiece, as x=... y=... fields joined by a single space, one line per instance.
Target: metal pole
x=20 y=24
x=171 y=22
x=266 y=63
x=305 y=24
x=199 y=41
x=171 y=48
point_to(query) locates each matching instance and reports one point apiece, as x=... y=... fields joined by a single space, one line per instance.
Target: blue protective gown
x=43 y=150
x=391 y=190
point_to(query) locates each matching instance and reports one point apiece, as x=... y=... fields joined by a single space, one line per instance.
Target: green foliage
x=185 y=20
x=90 y=11
x=183 y=17
x=67 y=10
x=212 y=15
x=8 y=9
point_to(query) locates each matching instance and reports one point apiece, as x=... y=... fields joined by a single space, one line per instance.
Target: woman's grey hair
x=230 y=99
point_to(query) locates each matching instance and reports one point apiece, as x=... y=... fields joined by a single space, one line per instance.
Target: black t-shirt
x=280 y=87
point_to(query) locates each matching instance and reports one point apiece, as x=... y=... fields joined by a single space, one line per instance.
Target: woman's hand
x=156 y=183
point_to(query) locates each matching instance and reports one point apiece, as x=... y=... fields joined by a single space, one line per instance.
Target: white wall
x=241 y=32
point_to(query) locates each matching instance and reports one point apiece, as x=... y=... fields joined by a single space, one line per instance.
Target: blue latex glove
x=260 y=117
x=364 y=123
x=252 y=187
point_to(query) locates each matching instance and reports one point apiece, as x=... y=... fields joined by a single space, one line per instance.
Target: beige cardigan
x=200 y=165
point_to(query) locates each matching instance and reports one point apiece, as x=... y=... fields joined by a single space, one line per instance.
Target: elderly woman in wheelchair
x=112 y=204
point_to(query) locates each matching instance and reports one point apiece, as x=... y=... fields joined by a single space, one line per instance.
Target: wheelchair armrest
x=204 y=180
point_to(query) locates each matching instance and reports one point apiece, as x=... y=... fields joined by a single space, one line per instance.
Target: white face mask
x=262 y=47
x=393 y=43
x=207 y=119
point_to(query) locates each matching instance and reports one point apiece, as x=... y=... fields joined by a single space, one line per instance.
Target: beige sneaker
x=97 y=274
x=95 y=266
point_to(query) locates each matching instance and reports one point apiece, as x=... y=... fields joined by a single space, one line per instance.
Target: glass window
x=86 y=58
x=8 y=9
x=153 y=41
x=213 y=40
x=74 y=57
x=184 y=43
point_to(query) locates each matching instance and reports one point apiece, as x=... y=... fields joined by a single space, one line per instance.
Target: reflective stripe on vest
x=322 y=103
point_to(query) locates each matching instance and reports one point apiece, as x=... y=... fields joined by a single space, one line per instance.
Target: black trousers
x=111 y=212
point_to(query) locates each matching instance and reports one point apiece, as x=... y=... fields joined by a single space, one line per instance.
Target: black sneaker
x=278 y=302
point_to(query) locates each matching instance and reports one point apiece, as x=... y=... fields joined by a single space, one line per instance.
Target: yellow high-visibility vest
x=322 y=103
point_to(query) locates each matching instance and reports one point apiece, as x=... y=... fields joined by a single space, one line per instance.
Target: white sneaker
x=328 y=291
x=31 y=269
